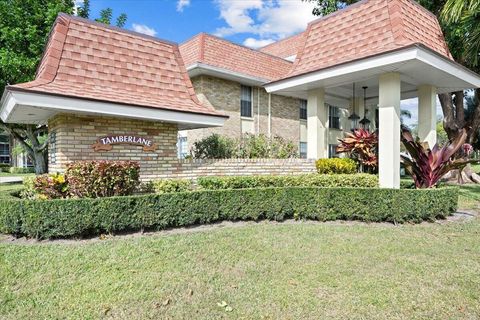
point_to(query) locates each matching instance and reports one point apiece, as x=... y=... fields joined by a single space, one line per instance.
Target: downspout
x=269 y=115
x=258 y=111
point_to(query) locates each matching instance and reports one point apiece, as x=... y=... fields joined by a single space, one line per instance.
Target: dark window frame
x=303 y=110
x=334 y=117
x=246 y=106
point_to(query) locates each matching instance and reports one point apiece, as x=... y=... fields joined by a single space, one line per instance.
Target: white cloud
x=268 y=19
x=257 y=43
x=141 y=28
x=181 y=4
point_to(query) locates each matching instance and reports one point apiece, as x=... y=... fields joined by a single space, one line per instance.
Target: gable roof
x=88 y=60
x=286 y=47
x=367 y=28
x=213 y=51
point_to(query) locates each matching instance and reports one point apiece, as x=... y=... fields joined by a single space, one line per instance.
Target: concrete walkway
x=10 y=179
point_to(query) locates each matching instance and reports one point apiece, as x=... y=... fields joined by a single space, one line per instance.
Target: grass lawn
x=262 y=271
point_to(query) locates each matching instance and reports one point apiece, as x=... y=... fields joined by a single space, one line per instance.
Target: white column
x=427 y=114
x=389 y=131
x=317 y=118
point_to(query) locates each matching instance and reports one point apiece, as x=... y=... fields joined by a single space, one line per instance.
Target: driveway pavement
x=10 y=179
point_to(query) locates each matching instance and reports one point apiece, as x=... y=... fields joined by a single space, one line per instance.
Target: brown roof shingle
x=220 y=53
x=365 y=29
x=286 y=47
x=89 y=60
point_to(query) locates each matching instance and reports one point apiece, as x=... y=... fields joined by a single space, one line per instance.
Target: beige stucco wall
x=74 y=136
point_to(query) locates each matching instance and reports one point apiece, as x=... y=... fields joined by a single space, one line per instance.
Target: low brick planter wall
x=192 y=169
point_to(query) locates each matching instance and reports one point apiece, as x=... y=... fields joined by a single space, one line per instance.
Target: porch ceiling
x=416 y=64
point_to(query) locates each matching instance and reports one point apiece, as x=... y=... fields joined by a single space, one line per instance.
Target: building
x=231 y=79
x=108 y=93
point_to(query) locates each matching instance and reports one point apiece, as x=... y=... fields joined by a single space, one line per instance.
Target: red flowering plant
x=361 y=145
x=427 y=166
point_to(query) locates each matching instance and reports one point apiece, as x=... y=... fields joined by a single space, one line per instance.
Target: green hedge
x=306 y=180
x=21 y=170
x=79 y=217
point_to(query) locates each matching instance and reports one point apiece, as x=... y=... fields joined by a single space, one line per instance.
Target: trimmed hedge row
x=360 y=180
x=80 y=217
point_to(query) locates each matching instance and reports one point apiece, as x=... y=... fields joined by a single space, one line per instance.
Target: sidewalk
x=10 y=179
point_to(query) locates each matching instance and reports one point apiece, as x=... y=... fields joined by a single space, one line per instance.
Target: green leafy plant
x=427 y=166
x=336 y=166
x=304 y=180
x=21 y=170
x=214 y=146
x=46 y=186
x=360 y=145
x=79 y=217
x=93 y=179
x=172 y=185
x=260 y=146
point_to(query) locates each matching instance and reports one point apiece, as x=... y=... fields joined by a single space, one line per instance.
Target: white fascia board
x=407 y=54
x=448 y=66
x=75 y=105
x=343 y=69
x=201 y=68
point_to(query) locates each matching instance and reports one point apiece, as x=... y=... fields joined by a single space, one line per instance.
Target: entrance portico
x=411 y=72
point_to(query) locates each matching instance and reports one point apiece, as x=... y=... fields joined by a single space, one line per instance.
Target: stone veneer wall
x=74 y=135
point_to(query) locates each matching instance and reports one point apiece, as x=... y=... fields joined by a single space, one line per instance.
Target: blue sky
x=249 y=22
x=253 y=23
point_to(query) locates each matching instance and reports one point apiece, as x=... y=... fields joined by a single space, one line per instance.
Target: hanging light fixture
x=354 y=117
x=365 y=122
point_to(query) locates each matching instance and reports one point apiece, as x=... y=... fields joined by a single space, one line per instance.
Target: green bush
x=252 y=146
x=79 y=217
x=4 y=167
x=21 y=170
x=249 y=146
x=172 y=185
x=46 y=186
x=336 y=166
x=93 y=179
x=214 y=146
x=360 y=180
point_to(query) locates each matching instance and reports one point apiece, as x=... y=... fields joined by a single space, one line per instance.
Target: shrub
x=78 y=217
x=92 y=179
x=361 y=145
x=304 y=180
x=214 y=146
x=172 y=185
x=260 y=146
x=4 y=167
x=21 y=170
x=46 y=186
x=336 y=165
x=248 y=146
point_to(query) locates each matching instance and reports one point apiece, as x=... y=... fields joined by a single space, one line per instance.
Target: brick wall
x=243 y=167
x=224 y=95
x=74 y=136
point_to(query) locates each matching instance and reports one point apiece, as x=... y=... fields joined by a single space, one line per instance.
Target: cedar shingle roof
x=89 y=60
x=286 y=47
x=365 y=29
x=220 y=53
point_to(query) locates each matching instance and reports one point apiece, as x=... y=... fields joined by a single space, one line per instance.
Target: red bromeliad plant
x=361 y=145
x=428 y=166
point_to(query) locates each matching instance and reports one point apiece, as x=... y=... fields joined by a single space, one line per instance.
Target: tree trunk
x=39 y=162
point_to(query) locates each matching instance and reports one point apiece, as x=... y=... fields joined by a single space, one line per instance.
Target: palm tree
x=466 y=13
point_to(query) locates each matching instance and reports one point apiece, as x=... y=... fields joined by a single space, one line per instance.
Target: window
x=303 y=109
x=52 y=148
x=332 y=151
x=4 y=149
x=303 y=150
x=334 y=117
x=182 y=147
x=246 y=102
